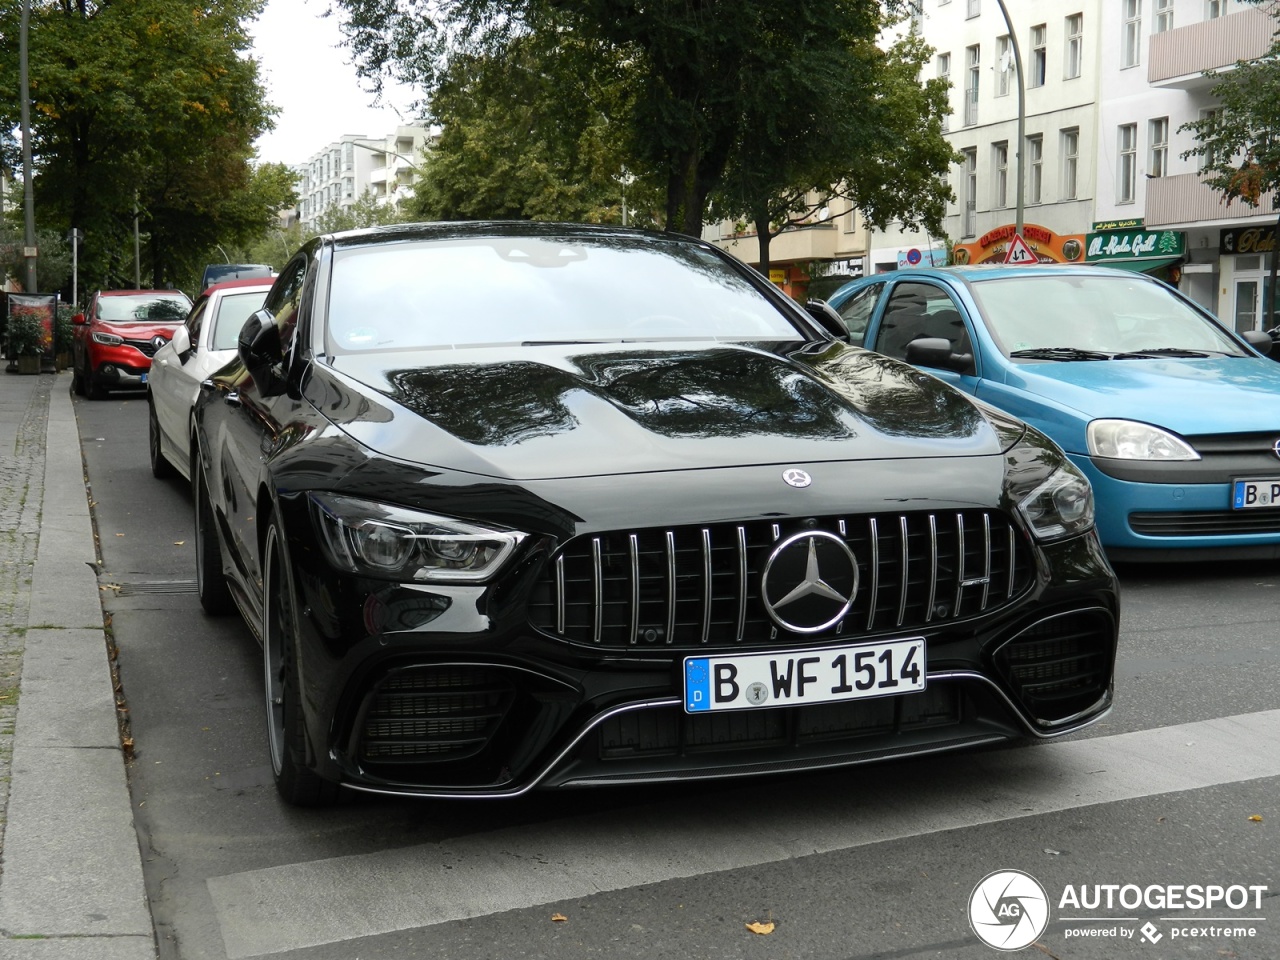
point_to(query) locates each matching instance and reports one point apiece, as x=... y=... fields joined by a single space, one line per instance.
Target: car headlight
x=395 y=543
x=1130 y=440
x=1061 y=506
x=107 y=339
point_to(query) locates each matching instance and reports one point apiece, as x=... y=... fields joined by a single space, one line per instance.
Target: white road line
x=326 y=901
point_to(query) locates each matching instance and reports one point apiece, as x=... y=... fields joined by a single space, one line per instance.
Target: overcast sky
x=309 y=78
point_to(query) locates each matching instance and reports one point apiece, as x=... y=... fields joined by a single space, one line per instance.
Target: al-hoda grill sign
x=1134 y=245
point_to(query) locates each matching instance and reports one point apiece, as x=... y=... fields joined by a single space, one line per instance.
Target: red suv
x=118 y=335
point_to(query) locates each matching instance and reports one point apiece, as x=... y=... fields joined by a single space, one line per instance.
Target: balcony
x=1184 y=201
x=1178 y=58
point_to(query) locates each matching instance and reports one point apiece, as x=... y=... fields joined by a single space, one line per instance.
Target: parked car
x=1174 y=419
x=203 y=344
x=116 y=337
x=537 y=505
x=222 y=272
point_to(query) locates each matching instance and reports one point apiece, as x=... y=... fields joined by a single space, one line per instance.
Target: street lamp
x=29 y=251
x=1022 y=112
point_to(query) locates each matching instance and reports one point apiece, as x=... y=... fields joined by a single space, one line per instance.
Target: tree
x=887 y=156
x=149 y=106
x=365 y=212
x=1238 y=144
x=691 y=95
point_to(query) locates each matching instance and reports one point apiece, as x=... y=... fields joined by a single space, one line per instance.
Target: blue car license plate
x=144 y=378
x=1251 y=494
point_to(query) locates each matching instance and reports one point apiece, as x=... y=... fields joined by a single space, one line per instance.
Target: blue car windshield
x=469 y=292
x=1121 y=314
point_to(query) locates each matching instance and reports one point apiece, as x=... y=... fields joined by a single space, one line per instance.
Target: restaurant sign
x=1248 y=239
x=1135 y=245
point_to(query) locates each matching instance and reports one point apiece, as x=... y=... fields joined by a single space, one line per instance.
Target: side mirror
x=79 y=320
x=259 y=348
x=1260 y=340
x=936 y=352
x=827 y=318
x=181 y=341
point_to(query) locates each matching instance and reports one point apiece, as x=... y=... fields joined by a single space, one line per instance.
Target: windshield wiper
x=1059 y=353
x=1163 y=352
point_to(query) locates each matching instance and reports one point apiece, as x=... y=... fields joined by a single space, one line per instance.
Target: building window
x=1039 y=58
x=1075 y=46
x=969 y=227
x=1131 y=35
x=1004 y=65
x=1070 y=161
x=1163 y=16
x=1213 y=9
x=1158 y=137
x=1035 y=169
x=1209 y=115
x=974 y=10
x=973 y=60
x=1000 y=161
x=944 y=74
x=1127 y=163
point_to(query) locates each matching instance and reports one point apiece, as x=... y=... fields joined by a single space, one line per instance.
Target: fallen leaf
x=119 y=534
x=761 y=928
x=1256 y=818
x=178 y=543
x=559 y=918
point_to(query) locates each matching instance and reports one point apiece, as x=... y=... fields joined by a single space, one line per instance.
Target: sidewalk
x=71 y=883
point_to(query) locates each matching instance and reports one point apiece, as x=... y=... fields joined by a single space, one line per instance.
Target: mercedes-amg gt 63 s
x=517 y=506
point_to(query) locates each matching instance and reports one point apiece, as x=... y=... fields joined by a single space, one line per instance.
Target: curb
x=72 y=887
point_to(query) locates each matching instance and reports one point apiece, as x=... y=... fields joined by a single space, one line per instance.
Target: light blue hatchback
x=1173 y=418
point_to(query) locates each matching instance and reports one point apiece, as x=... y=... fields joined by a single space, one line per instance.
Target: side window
x=196 y=321
x=285 y=297
x=857 y=312
x=917 y=310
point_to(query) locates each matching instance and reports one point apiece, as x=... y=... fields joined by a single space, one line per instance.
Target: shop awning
x=1138 y=264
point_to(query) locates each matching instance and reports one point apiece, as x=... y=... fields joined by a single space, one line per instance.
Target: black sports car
x=534 y=505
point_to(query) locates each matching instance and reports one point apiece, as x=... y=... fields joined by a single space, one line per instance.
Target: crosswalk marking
x=766 y=821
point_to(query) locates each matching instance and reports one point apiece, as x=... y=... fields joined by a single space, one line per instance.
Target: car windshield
x=233 y=311
x=1070 y=316
x=508 y=290
x=144 y=308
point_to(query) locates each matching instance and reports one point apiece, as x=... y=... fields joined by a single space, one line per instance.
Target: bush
x=63 y=329
x=26 y=336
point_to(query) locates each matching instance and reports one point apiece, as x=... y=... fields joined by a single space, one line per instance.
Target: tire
x=286 y=729
x=161 y=468
x=92 y=389
x=77 y=380
x=211 y=581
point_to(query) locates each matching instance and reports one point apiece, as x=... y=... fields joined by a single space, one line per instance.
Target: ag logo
x=1008 y=910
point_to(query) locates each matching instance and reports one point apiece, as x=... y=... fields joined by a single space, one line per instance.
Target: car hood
x=138 y=330
x=593 y=410
x=1190 y=397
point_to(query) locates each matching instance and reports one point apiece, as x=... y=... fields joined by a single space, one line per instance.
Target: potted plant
x=25 y=340
x=63 y=331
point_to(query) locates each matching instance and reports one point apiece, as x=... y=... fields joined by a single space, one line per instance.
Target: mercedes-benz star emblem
x=796 y=477
x=809 y=582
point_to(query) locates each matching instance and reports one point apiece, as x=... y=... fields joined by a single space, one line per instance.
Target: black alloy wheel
x=77 y=379
x=211 y=581
x=286 y=731
x=92 y=388
x=161 y=468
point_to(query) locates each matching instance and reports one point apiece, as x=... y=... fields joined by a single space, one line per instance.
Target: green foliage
x=365 y=212
x=63 y=329
x=26 y=336
x=544 y=102
x=53 y=265
x=1239 y=144
x=146 y=104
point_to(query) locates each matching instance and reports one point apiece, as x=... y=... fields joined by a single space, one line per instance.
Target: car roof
x=447 y=230
x=135 y=293
x=992 y=271
x=264 y=282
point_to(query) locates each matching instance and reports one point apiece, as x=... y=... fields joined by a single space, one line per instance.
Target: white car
x=203 y=344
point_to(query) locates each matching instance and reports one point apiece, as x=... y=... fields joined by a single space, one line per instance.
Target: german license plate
x=1250 y=494
x=144 y=378
x=750 y=681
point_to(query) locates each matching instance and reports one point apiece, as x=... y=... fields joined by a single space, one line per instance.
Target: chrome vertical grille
x=696 y=586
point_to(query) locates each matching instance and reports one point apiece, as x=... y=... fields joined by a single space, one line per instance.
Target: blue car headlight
x=1131 y=440
x=396 y=543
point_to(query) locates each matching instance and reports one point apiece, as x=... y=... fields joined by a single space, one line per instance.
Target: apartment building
x=337 y=176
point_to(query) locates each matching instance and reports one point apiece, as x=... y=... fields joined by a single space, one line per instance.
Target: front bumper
x=1178 y=521
x=451 y=692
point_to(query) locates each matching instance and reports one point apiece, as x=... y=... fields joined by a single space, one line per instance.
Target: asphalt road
x=879 y=861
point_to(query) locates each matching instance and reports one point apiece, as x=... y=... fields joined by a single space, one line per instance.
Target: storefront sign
x=1248 y=239
x=1135 y=245
x=1134 y=224
x=1048 y=247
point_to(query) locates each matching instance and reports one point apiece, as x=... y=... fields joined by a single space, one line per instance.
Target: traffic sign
x=913 y=256
x=1019 y=253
